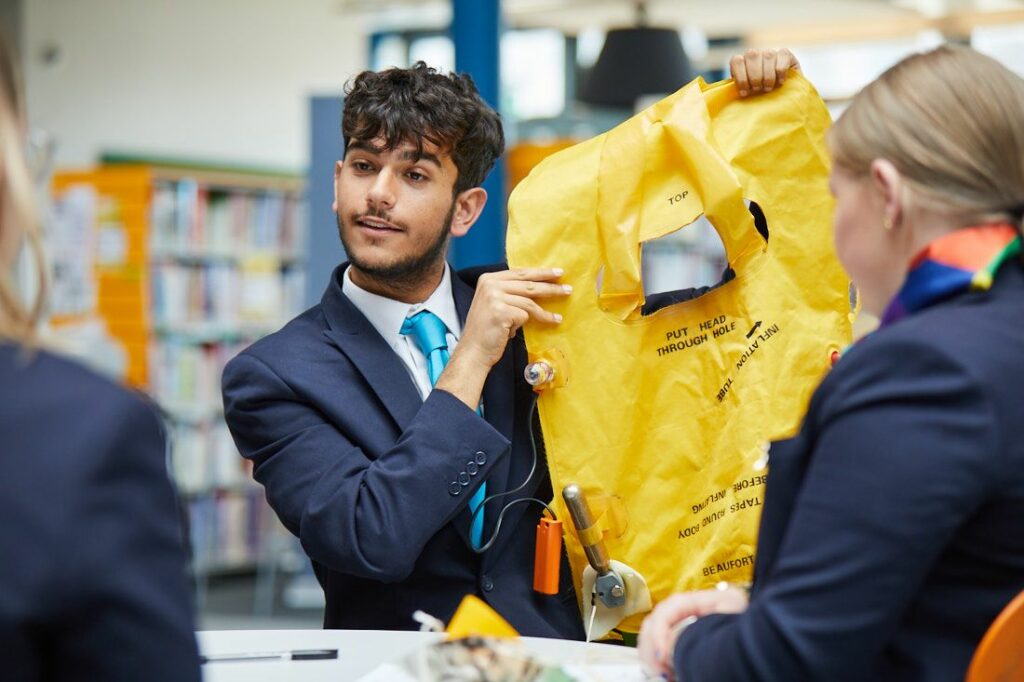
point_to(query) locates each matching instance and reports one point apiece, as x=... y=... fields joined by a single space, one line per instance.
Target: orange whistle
x=548 y=557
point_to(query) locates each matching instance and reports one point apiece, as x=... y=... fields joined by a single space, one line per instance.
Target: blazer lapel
x=369 y=353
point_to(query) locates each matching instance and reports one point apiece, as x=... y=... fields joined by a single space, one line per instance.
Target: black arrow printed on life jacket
x=768 y=333
x=755 y=345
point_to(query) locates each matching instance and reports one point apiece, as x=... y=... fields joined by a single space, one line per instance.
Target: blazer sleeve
x=121 y=595
x=904 y=452
x=369 y=517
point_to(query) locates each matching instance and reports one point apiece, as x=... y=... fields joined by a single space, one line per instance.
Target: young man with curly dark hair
x=369 y=453
x=381 y=418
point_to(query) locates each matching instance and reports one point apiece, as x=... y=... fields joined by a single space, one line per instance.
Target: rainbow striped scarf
x=964 y=260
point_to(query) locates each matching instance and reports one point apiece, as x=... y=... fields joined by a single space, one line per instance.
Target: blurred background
x=187 y=149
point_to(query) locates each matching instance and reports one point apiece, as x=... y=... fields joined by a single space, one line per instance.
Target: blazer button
x=480 y=457
x=463 y=478
x=472 y=468
x=454 y=488
x=487 y=584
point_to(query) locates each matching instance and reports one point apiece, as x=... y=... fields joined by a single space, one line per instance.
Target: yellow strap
x=590 y=536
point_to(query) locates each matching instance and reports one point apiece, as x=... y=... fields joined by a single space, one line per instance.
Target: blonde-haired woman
x=92 y=572
x=893 y=524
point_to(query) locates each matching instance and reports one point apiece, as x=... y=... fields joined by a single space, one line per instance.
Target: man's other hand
x=757 y=71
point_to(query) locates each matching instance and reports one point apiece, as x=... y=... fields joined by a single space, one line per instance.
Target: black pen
x=294 y=655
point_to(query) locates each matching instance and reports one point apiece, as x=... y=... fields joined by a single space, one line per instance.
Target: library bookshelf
x=191 y=264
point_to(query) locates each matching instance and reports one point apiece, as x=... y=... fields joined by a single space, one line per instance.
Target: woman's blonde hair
x=18 y=221
x=952 y=122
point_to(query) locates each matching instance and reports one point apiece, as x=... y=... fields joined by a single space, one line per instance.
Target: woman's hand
x=660 y=630
x=757 y=71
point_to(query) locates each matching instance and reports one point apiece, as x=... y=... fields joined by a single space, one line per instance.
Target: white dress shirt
x=387 y=316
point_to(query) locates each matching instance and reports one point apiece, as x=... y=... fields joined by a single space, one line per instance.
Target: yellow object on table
x=475 y=617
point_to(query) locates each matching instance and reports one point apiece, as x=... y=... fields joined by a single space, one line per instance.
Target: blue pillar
x=476 y=29
x=323 y=246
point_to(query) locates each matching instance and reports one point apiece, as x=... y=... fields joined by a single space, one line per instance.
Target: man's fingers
x=532 y=309
x=768 y=70
x=788 y=60
x=514 y=317
x=761 y=70
x=738 y=71
x=533 y=289
x=755 y=69
x=784 y=61
x=533 y=274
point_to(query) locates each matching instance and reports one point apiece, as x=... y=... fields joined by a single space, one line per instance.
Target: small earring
x=887 y=224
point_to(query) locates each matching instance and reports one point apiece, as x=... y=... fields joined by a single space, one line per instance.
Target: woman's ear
x=888 y=182
x=468 y=206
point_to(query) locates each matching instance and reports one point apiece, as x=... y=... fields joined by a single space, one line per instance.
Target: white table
x=360 y=651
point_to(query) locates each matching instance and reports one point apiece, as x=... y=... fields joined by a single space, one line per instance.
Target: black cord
x=501 y=515
x=533 y=468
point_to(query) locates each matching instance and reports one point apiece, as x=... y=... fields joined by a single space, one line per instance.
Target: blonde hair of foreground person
x=18 y=220
x=949 y=120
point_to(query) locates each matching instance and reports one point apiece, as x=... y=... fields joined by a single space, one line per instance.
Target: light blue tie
x=429 y=333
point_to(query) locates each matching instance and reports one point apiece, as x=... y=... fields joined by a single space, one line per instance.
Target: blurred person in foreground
x=891 y=535
x=92 y=575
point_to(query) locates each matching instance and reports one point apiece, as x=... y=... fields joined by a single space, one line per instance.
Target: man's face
x=395 y=209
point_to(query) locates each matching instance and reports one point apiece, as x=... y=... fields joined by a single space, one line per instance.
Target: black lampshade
x=634 y=62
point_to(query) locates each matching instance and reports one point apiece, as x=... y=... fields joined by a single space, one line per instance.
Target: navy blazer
x=375 y=481
x=92 y=571
x=892 y=531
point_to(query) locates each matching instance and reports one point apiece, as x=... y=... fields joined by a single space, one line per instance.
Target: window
x=532 y=66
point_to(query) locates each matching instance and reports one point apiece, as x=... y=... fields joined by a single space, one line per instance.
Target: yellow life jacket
x=663 y=418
